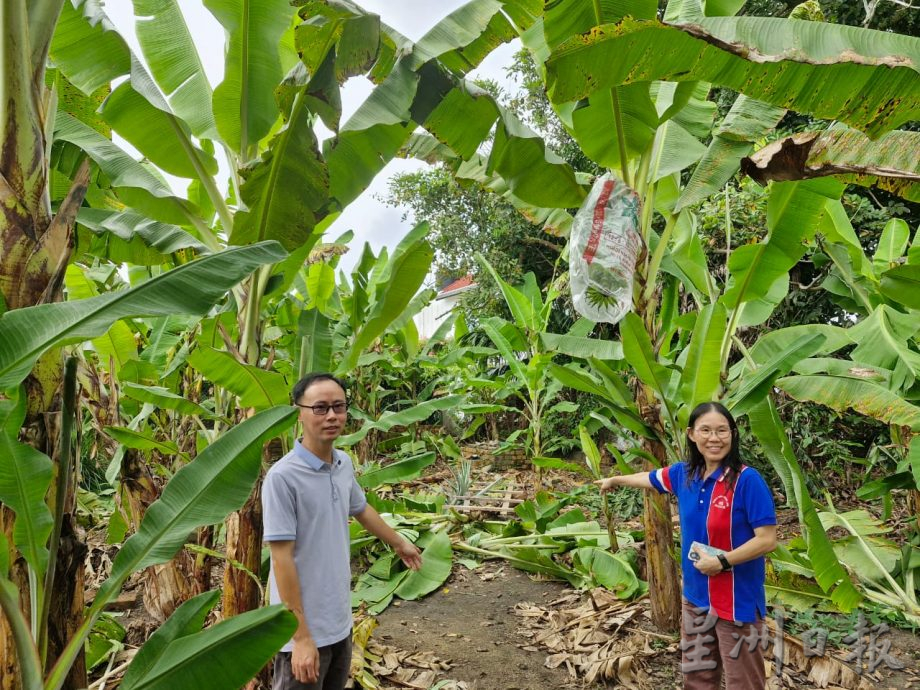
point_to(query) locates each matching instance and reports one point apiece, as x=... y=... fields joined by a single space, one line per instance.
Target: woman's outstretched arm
x=639 y=480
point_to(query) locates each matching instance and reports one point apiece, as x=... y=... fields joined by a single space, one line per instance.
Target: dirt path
x=470 y=622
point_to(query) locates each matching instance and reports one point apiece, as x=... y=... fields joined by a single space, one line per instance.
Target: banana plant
x=593 y=460
x=527 y=349
x=876 y=560
x=201 y=493
x=281 y=187
x=879 y=376
x=622 y=88
x=363 y=329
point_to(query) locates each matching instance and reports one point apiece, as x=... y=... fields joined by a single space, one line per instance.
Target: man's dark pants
x=334 y=663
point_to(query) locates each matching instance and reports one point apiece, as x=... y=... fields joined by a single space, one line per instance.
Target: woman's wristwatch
x=724 y=561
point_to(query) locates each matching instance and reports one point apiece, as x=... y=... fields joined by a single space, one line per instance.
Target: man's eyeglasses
x=322 y=409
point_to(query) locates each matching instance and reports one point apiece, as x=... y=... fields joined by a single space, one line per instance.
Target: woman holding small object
x=727 y=524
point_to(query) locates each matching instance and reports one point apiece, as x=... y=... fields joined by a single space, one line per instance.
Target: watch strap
x=724 y=561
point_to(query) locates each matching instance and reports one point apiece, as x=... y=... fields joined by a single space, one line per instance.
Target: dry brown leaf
x=556 y=660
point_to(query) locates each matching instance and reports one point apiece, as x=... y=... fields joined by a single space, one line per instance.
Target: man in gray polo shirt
x=307 y=499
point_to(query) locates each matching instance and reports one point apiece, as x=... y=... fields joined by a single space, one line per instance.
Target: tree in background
x=465 y=219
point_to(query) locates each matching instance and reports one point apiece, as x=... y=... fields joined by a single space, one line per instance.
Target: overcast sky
x=371 y=220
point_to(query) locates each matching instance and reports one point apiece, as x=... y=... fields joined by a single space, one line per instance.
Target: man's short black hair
x=301 y=386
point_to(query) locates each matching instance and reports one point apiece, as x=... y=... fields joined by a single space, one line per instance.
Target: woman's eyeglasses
x=322 y=409
x=722 y=432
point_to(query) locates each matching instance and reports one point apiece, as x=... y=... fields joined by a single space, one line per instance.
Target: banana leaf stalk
x=488 y=554
x=592 y=533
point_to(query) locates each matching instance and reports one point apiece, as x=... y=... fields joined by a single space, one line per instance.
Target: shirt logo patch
x=720 y=502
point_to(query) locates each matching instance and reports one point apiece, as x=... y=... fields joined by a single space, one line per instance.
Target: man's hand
x=708 y=565
x=409 y=554
x=373 y=523
x=305 y=661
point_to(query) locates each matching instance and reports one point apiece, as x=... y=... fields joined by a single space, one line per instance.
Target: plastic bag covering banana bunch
x=602 y=255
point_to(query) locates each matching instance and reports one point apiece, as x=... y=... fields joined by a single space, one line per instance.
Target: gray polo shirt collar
x=313 y=462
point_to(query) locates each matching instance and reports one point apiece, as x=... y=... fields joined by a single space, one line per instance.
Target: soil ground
x=470 y=622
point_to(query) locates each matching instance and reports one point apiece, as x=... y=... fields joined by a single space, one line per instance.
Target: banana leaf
x=125 y=236
x=256 y=387
x=87 y=48
x=164 y=399
x=546 y=463
x=566 y=18
x=150 y=127
x=795 y=211
x=174 y=63
x=830 y=575
x=640 y=355
x=533 y=172
x=686 y=260
x=389 y=420
x=555 y=221
x=133 y=184
x=891 y=245
x=755 y=385
x=902 y=285
x=843 y=394
x=436 y=564
x=117 y=344
x=523 y=310
x=25 y=476
x=163 y=340
x=591 y=452
x=139 y=440
x=286 y=191
x=848 y=154
x=621 y=409
x=842 y=367
x=192 y=288
x=400 y=471
x=244 y=103
x=701 y=377
x=883 y=339
x=675 y=150
x=747 y=122
x=583 y=348
x=203 y=492
x=793 y=64
x=493 y=328
x=185 y=620
x=609 y=570
x=796 y=592
x=468 y=34
x=880 y=488
x=225 y=655
x=426 y=87
x=773 y=343
x=590 y=123
x=873 y=558
x=315 y=332
x=377 y=593
x=533 y=560
x=398 y=280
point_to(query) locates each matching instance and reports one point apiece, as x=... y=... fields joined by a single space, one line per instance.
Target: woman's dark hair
x=695 y=461
x=301 y=386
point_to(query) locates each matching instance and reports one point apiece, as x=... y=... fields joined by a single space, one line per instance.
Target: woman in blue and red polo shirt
x=726 y=505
